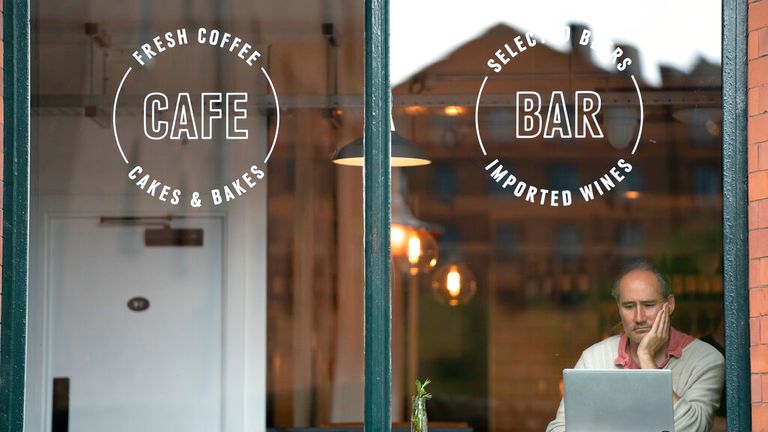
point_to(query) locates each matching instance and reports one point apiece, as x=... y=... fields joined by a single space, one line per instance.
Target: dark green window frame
x=13 y=327
x=376 y=204
x=16 y=91
x=735 y=228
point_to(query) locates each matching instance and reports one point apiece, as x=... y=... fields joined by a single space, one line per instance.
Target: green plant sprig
x=421 y=389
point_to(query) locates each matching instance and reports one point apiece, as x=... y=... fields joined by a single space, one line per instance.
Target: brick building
x=758 y=192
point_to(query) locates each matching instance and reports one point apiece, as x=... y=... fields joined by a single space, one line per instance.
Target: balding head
x=641 y=266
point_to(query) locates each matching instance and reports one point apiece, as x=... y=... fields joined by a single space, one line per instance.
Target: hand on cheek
x=655 y=341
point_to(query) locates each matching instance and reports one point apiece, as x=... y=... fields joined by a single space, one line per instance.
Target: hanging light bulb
x=416 y=252
x=399 y=235
x=454 y=284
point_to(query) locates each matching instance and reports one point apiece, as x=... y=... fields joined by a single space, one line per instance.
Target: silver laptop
x=618 y=400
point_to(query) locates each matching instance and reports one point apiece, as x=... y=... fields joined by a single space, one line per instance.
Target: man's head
x=641 y=292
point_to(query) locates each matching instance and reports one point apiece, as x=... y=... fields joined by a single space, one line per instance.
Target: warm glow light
x=632 y=195
x=397 y=236
x=414 y=249
x=395 y=161
x=415 y=110
x=712 y=127
x=453 y=110
x=453 y=282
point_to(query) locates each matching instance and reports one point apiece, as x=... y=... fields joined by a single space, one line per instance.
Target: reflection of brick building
x=545 y=273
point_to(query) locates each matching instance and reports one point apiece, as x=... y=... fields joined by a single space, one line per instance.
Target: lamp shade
x=404 y=153
x=620 y=124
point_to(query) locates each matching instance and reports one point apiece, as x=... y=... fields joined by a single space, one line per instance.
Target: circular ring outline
x=480 y=93
x=277 y=109
x=114 y=115
x=120 y=88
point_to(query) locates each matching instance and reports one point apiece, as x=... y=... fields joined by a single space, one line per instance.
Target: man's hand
x=655 y=342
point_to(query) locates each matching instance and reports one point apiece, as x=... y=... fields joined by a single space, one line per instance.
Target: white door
x=156 y=370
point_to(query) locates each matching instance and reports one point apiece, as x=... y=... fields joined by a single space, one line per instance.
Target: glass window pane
x=196 y=255
x=584 y=137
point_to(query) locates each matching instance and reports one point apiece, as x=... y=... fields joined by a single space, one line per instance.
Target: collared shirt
x=677 y=342
x=697 y=378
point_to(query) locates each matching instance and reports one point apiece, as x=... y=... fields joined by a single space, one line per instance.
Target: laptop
x=618 y=400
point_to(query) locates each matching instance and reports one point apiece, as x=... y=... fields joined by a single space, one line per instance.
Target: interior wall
x=77 y=170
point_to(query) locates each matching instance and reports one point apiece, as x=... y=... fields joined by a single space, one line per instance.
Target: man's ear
x=671 y=302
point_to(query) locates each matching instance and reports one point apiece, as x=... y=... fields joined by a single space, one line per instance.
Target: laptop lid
x=618 y=400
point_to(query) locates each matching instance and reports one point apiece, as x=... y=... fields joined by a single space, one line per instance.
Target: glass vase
x=419 y=415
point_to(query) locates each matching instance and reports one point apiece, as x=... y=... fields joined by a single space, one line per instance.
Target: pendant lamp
x=403 y=154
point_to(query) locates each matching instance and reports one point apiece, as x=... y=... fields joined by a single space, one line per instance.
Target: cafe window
x=564 y=177
x=706 y=180
x=517 y=82
x=196 y=254
x=447 y=181
x=631 y=242
x=497 y=189
x=569 y=245
x=506 y=242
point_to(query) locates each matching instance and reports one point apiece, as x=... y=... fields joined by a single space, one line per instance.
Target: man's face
x=640 y=301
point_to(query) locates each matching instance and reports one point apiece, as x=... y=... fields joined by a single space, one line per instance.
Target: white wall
x=77 y=170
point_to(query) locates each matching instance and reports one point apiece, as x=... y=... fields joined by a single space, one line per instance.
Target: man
x=649 y=342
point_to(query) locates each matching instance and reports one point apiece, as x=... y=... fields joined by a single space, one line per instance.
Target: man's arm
x=558 y=424
x=695 y=408
x=697 y=404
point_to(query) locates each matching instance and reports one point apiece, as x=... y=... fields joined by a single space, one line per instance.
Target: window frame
x=15 y=260
x=735 y=228
x=376 y=218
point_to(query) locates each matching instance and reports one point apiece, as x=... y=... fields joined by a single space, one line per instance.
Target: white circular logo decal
x=556 y=122
x=186 y=116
